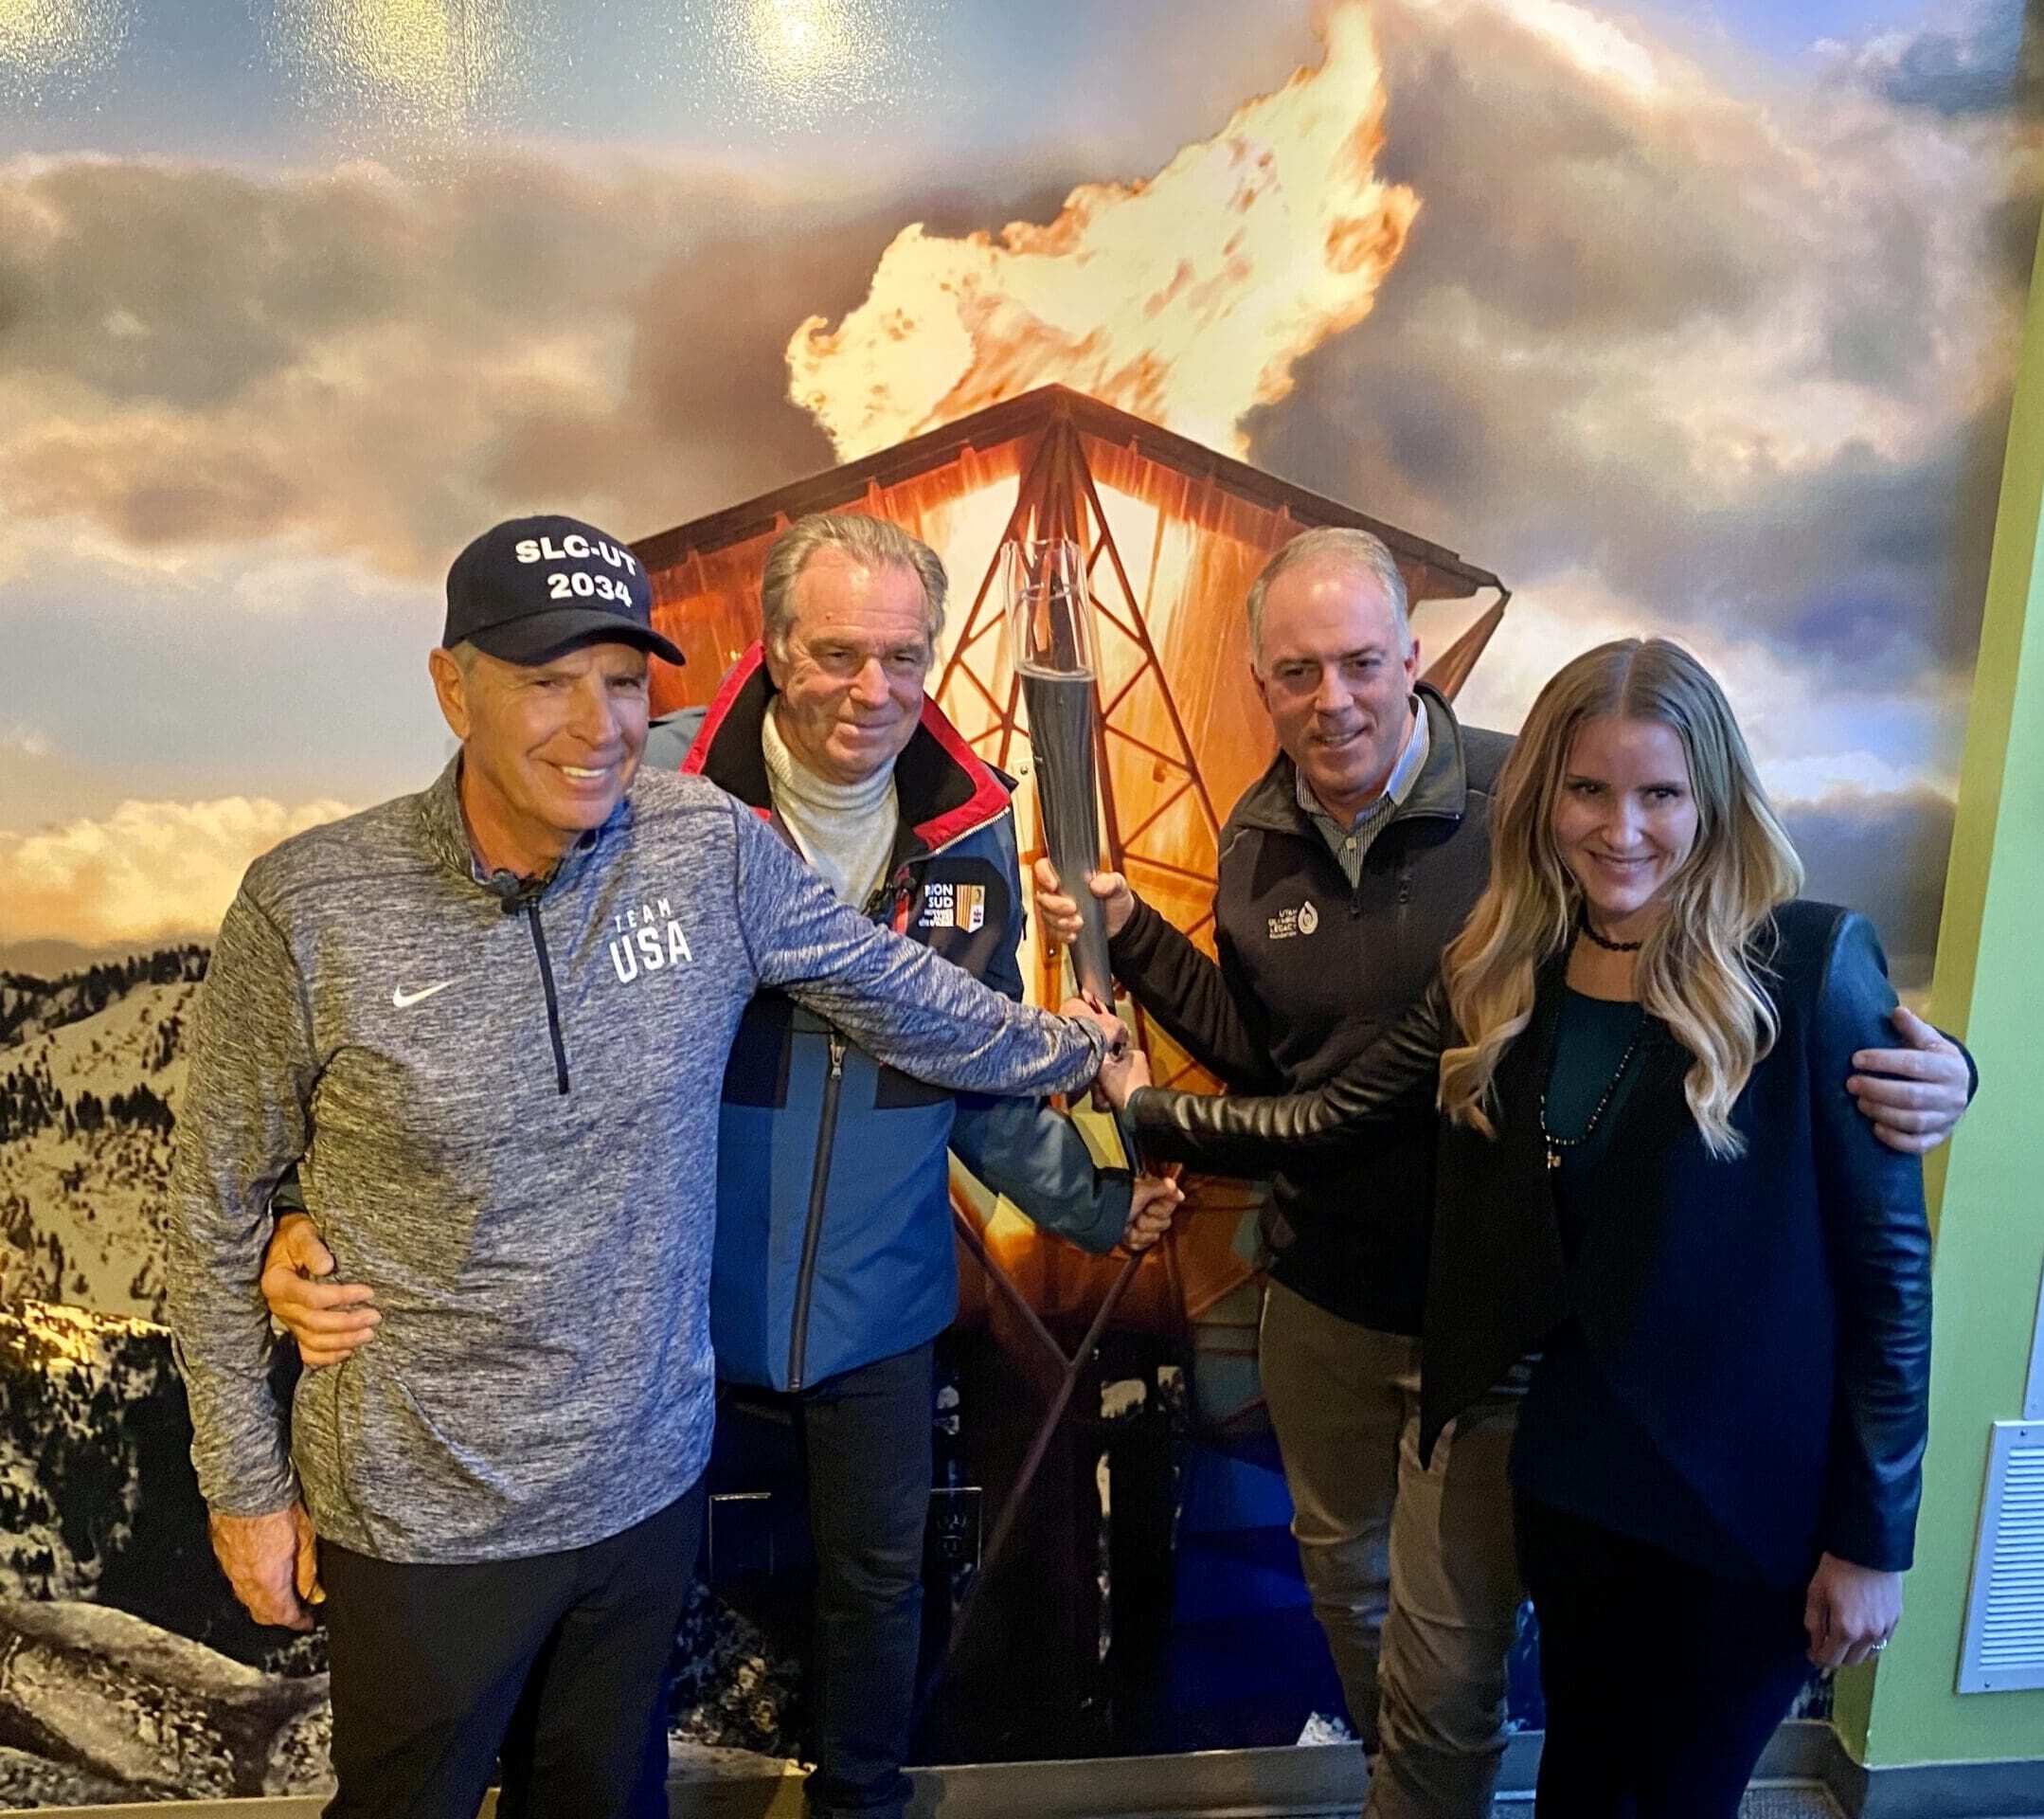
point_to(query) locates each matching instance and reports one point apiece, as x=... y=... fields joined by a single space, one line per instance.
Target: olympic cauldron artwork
x=1168 y=535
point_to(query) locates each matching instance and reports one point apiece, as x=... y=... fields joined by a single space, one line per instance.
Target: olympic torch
x=1051 y=629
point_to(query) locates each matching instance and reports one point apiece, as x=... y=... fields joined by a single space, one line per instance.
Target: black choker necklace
x=1609 y=947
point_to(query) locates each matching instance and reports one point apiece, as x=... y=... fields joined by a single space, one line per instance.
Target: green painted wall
x=1990 y=1214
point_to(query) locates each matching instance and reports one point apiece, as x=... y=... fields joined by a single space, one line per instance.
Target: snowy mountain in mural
x=109 y=1700
x=91 y=1068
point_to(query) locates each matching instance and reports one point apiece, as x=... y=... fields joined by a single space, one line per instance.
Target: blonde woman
x=1652 y=1176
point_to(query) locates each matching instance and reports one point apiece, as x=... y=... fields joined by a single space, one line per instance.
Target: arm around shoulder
x=899 y=1001
x=1878 y=1238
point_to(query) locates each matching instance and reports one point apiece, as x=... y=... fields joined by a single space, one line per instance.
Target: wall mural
x=1691 y=316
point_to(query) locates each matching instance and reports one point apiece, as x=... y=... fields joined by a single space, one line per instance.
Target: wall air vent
x=2003 y=1651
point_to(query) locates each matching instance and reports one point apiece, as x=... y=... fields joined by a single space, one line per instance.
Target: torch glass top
x=1050 y=611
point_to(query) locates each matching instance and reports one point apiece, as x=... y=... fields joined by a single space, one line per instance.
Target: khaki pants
x=1412 y=1572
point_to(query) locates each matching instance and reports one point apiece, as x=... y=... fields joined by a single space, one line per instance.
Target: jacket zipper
x=553 y=1004
x=892 y=894
x=820 y=1184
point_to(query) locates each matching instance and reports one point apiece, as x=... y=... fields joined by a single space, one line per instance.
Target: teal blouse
x=1578 y=1450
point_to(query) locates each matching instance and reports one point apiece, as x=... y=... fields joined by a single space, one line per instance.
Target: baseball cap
x=531 y=588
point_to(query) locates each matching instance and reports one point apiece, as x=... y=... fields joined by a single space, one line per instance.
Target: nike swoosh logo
x=405 y=1000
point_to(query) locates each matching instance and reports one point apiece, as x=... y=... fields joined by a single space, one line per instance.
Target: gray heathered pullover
x=506 y=1123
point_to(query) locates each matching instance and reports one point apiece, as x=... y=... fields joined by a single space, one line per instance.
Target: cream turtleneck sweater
x=845 y=830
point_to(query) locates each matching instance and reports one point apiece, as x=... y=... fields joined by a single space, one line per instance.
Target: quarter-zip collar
x=447 y=834
x=447 y=837
x=1440 y=792
x=945 y=789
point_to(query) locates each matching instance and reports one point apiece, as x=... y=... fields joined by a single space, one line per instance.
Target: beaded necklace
x=1557 y=1146
x=1605 y=942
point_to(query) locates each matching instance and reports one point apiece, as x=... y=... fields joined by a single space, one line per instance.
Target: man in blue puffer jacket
x=835 y=1268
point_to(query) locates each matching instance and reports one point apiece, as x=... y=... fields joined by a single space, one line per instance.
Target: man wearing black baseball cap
x=547 y=620
x=486 y=1026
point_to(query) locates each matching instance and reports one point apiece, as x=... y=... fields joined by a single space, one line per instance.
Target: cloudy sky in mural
x=1678 y=315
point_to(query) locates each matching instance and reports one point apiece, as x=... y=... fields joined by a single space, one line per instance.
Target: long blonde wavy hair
x=1702 y=967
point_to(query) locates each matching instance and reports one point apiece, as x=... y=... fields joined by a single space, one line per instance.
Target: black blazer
x=1766 y=1317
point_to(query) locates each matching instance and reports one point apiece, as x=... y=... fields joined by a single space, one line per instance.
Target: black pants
x=1663 y=1682
x=557 y=1662
x=866 y=1444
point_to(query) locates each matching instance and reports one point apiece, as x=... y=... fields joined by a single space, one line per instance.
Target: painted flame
x=1188 y=297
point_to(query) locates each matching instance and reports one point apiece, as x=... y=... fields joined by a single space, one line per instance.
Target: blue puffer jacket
x=834 y=1215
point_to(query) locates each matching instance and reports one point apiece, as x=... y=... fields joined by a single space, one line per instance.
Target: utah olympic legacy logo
x=643 y=944
x=954 y=906
x=1288 y=922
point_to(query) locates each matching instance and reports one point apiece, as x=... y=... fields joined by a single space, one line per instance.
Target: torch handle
x=1075 y=870
x=1063 y=711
